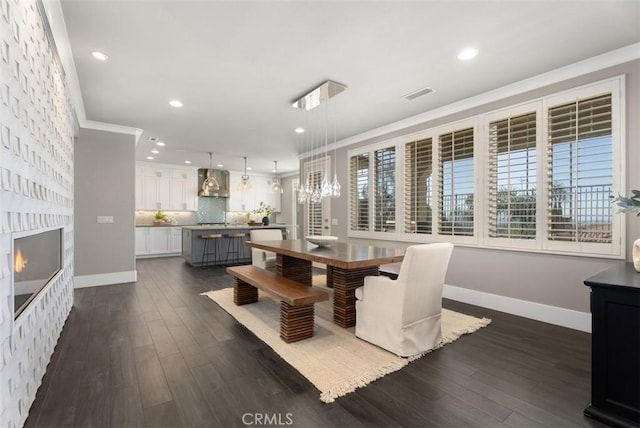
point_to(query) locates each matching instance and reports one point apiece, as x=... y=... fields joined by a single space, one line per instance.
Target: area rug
x=334 y=360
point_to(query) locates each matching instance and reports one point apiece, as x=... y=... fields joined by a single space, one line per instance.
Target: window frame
x=481 y=123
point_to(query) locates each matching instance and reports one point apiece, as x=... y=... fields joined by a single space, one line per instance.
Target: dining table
x=347 y=265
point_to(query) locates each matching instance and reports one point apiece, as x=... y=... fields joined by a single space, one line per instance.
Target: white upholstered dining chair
x=403 y=315
x=260 y=258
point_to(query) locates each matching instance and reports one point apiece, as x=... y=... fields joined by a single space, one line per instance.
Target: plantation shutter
x=456 y=183
x=512 y=177
x=314 y=210
x=418 y=186
x=384 y=189
x=359 y=192
x=579 y=167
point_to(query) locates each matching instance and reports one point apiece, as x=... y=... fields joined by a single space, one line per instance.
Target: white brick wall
x=36 y=192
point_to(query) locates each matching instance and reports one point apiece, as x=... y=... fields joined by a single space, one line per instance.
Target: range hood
x=221 y=176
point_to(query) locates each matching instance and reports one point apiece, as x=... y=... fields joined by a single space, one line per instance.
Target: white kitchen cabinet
x=175 y=240
x=142 y=241
x=156 y=189
x=166 y=188
x=239 y=201
x=158 y=240
x=248 y=201
x=184 y=190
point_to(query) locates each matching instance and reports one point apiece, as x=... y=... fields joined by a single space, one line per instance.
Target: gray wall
x=543 y=278
x=104 y=186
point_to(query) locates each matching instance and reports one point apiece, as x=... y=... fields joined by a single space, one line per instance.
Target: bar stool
x=215 y=249
x=234 y=246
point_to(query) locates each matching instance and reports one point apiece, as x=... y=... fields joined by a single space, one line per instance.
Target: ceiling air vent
x=416 y=94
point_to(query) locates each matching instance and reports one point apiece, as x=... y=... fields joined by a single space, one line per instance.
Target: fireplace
x=37 y=258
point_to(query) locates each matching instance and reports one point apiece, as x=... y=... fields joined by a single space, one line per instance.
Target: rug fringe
x=330 y=394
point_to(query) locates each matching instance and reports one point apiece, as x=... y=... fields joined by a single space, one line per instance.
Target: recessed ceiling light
x=155 y=152
x=150 y=157
x=160 y=143
x=299 y=130
x=100 y=55
x=187 y=161
x=467 y=53
x=175 y=103
x=249 y=168
x=219 y=165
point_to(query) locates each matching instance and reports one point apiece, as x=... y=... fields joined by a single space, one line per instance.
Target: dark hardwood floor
x=155 y=353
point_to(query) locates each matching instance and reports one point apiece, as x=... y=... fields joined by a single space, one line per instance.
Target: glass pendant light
x=275 y=186
x=245 y=184
x=210 y=183
x=323 y=186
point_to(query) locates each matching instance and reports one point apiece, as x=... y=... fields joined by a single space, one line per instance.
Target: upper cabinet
x=248 y=201
x=166 y=188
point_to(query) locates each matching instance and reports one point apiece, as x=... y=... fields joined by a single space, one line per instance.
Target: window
x=359 y=192
x=580 y=170
x=455 y=183
x=385 y=189
x=418 y=181
x=314 y=209
x=512 y=177
x=537 y=176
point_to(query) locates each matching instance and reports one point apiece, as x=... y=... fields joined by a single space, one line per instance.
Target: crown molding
x=580 y=68
x=111 y=127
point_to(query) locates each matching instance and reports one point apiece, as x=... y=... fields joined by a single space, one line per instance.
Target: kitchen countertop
x=232 y=227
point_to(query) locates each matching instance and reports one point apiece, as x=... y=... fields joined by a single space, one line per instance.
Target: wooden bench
x=392 y=270
x=296 y=299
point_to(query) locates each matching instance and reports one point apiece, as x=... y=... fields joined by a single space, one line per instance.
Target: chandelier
x=316 y=138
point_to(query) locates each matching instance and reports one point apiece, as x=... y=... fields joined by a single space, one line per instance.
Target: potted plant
x=160 y=217
x=631 y=205
x=265 y=210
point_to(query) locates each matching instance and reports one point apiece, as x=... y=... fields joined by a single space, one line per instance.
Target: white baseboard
x=537 y=311
x=83 y=281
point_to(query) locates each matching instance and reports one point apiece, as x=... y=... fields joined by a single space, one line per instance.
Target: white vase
x=636 y=255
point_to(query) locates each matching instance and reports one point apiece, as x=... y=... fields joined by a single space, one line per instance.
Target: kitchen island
x=193 y=244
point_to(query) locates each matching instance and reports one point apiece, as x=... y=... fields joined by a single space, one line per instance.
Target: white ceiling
x=238 y=65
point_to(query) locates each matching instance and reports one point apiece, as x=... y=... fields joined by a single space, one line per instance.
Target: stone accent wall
x=36 y=192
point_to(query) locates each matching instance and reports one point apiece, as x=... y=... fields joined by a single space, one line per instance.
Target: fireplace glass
x=36 y=259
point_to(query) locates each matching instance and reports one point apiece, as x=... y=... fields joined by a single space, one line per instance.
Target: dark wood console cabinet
x=615 y=346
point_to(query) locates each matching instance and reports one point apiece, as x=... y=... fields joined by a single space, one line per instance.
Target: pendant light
x=321 y=187
x=210 y=183
x=275 y=186
x=245 y=184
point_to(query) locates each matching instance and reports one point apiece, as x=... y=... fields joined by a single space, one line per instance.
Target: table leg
x=329 y=276
x=345 y=281
x=296 y=322
x=293 y=268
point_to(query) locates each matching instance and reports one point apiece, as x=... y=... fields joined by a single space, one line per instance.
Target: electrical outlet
x=334 y=221
x=105 y=219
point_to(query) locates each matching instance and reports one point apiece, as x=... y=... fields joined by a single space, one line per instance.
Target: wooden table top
x=338 y=254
